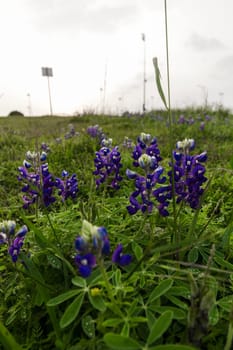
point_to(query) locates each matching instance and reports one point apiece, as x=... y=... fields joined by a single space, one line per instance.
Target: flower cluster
x=40 y=185
x=95 y=131
x=188 y=173
x=71 y=133
x=128 y=143
x=13 y=239
x=187 y=170
x=108 y=163
x=91 y=245
x=146 y=156
x=68 y=186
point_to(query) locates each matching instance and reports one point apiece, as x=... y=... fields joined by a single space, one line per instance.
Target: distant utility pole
x=105 y=85
x=205 y=94
x=29 y=105
x=144 y=74
x=48 y=72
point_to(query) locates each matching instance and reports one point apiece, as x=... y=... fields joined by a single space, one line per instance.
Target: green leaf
x=158 y=82
x=88 y=326
x=193 y=255
x=223 y=263
x=119 y=342
x=172 y=347
x=71 y=312
x=117 y=277
x=114 y=308
x=226 y=303
x=179 y=303
x=214 y=315
x=79 y=282
x=181 y=291
x=150 y=318
x=138 y=251
x=7 y=339
x=227 y=234
x=125 y=330
x=159 y=290
x=178 y=314
x=112 y=322
x=160 y=326
x=2 y=267
x=97 y=302
x=63 y=297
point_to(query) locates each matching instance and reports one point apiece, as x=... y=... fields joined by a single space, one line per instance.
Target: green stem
x=171 y=143
x=7 y=339
x=53 y=229
x=108 y=286
x=229 y=337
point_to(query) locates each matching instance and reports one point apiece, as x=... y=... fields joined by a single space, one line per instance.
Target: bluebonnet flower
x=95 y=131
x=38 y=182
x=188 y=176
x=181 y=119
x=13 y=240
x=39 y=185
x=146 y=157
x=92 y=245
x=119 y=258
x=128 y=143
x=68 y=186
x=202 y=126
x=106 y=142
x=85 y=263
x=71 y=133
x=191 y=121
x=44 y=147
x=108 y=163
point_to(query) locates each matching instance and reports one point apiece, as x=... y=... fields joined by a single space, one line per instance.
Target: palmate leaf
x=158 y=81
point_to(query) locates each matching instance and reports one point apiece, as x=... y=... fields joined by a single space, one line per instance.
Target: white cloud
x=77 y=37
x=202 y=43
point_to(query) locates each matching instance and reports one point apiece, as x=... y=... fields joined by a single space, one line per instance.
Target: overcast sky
x=95 y=48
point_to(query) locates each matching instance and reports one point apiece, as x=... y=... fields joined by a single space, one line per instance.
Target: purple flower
x=39 y=185
x=108 y=165
x=68 y=187
x=16 y=244
x=85 y=264
x=202 y=125
x=188 y=175
x=146 y=157
x=96 y=132
x=119 y=258
x=91 y=244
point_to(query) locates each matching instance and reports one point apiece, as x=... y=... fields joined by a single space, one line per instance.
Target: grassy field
x=110 y=239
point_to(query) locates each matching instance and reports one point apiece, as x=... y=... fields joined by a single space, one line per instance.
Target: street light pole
x=50 y=101
x=48 y=72
x=144 y=74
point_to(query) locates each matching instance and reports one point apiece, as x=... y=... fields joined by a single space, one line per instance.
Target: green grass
x=162 y=298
